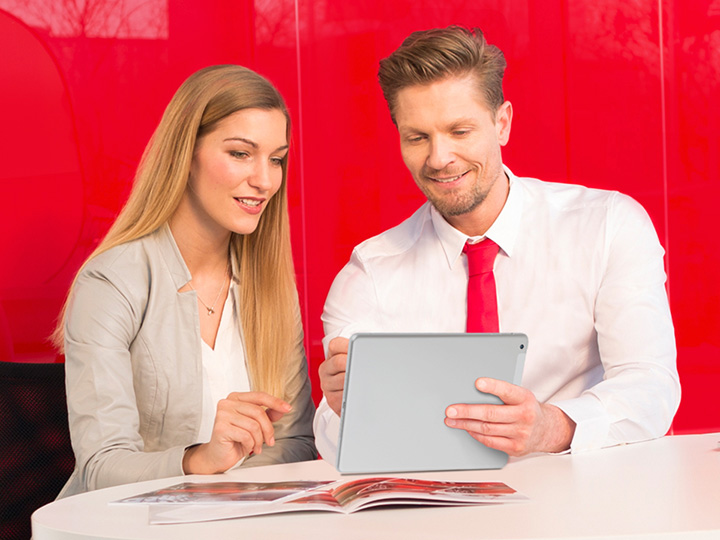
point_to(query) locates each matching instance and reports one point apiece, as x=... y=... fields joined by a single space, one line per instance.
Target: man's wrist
x=559 y=431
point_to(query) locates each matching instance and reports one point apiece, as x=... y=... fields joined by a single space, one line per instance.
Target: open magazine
x=191 y=502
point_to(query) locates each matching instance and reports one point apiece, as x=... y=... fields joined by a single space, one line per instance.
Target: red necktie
x=482 y=313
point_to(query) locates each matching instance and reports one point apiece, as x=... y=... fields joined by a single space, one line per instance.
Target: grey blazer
x=134 y=371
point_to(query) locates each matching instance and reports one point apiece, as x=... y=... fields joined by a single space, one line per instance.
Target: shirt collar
x=173 y=259
x=503 y=231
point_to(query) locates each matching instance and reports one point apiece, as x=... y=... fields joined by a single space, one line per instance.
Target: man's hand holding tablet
x=521 y=426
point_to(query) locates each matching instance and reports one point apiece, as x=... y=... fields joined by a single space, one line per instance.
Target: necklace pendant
x=210 y=311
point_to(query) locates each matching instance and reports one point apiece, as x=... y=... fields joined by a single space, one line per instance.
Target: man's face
x=450 y=141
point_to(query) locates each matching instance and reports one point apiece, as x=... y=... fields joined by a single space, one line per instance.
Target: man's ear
x=503 y=122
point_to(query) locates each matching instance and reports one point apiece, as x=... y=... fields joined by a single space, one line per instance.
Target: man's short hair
x=433 y=55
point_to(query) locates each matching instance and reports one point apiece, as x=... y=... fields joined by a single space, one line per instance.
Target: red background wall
x=610 y=93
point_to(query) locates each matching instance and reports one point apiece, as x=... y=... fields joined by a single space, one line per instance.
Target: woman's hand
x=243 y=422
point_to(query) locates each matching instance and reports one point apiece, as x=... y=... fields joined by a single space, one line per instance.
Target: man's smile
x=446 y=179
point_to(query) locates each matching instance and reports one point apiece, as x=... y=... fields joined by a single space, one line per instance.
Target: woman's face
x=236 y=169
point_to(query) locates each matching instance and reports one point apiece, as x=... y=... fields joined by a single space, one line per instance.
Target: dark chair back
x=36 y=458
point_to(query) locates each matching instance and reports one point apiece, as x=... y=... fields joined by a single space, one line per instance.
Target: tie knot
x=481 y=256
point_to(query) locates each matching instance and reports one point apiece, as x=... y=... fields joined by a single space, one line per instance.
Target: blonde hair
x=262 y=260
x=433 y=55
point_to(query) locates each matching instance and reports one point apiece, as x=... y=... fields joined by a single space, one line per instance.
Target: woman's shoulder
x=125 y=259
x=130 y=266
x=136 y=266
x=112 y=286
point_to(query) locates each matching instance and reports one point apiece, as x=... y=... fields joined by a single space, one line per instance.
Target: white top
x=580 y=271
x=223 y=368
x=664 y=489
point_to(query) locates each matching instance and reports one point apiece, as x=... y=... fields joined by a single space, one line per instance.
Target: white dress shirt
x=223 y=368
x=580 y=271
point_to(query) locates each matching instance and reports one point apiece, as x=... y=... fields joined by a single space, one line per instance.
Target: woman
x=182 y=333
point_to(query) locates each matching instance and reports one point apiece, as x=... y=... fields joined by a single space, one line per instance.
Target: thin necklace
x=210 y=309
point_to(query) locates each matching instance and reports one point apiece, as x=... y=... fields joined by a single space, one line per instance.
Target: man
x=580 y=271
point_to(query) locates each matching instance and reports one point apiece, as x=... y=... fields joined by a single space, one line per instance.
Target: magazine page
x=209 y=501
x=316 y=497
x=222 y=492
x=368 y=492
x=166 y=514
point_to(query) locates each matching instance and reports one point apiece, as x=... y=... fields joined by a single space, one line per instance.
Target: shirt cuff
x=592 y=424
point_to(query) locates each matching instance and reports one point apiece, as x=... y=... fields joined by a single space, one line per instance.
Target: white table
x=665 y=489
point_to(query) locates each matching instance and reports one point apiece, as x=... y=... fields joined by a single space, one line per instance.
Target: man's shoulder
x=576 y=210
x=567 y=196
x=565 y=192
x=397 y=240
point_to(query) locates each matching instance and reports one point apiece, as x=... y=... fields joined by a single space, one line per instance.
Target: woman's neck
x=203 y=253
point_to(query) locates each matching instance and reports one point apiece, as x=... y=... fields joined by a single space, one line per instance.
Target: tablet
x=397 y=387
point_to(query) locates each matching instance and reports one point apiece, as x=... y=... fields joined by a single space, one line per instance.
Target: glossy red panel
x=618 y=95
x=692 y=133
x=41 y=187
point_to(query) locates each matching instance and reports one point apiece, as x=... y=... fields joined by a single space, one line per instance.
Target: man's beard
x=456 y=204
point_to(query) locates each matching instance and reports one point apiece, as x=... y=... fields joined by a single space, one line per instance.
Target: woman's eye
x=277 y=161
x=238 y=154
